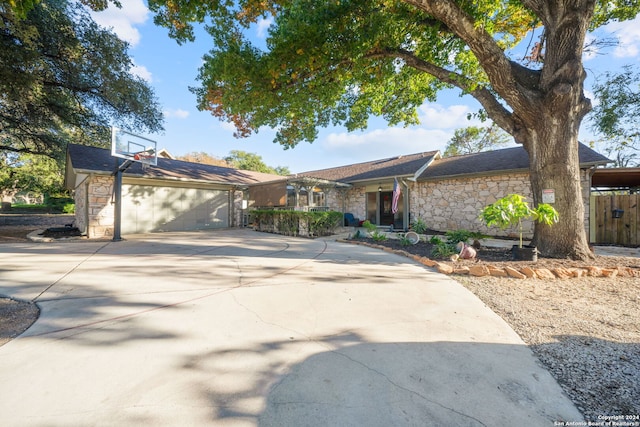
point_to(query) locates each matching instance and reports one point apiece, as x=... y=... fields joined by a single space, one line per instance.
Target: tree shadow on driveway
x=341 y=380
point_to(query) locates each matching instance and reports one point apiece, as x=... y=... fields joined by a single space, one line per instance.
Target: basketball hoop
x=133 y=147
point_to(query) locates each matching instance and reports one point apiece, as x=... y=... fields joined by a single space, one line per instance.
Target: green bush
x=435 y=240
x=378 y=236
x=369 y=227
x=58 y=204
x=443 y=250
x=419 y=226
x=459 y=236
x=296 y=223
x=404 y=241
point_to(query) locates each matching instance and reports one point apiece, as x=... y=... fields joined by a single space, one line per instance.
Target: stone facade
x=352 y=201
x=94 y=210
x=454 y=204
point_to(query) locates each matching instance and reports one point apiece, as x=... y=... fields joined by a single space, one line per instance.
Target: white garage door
x=147 y=208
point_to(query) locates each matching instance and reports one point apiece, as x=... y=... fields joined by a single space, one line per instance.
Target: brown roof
x=377 y=169
x=488 y=162
x=99 y=160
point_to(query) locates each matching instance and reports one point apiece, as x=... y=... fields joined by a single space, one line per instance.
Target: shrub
x=456 y=236
x=404 y=241
x=512 y=209
x=443 y=250
x=295 y=223
x=58 y=204
x=370 y=227
x=378 y=236
x=435 y=240
x=419 y=226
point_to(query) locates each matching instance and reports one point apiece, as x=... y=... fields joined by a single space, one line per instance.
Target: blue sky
x=170 y=69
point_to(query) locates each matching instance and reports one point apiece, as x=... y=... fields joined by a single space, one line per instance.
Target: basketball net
x=144 y=158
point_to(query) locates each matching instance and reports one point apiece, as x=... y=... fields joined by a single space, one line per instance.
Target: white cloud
x=382 y=143
x=437 y=126
x=142 y=72
x=592 y=96
x=228 y=126
x=263 y=26
x=628 y=34
x=439 y=117
x=124 y=20
x=176 y=113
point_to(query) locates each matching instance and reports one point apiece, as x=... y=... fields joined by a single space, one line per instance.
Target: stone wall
x=94 y=210
x=352 y=200
x=453 y=204
x=80 y=199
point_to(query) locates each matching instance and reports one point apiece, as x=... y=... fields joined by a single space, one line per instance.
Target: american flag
x=396 y=196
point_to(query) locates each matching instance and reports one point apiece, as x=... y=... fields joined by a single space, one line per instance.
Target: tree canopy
x=65 y=79
x=616 y=115
x=29 y=173
x=341 y=62
x=253 y=162
x=21 y=7
x=474 y=139
x=204 y=158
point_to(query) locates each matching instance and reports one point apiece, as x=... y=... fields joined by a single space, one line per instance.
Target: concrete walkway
x=239 y=328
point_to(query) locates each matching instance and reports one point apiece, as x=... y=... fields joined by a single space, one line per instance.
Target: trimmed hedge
x=297 y=223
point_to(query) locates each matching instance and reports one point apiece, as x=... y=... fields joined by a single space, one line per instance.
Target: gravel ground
x=585 y=331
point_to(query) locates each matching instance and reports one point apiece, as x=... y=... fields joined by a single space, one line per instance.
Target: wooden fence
x=606 y=228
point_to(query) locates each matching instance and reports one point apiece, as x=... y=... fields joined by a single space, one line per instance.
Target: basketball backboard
x=127 y=145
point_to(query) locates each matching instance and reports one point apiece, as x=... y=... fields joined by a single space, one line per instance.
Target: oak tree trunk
x=554 y=165
x=549 y=127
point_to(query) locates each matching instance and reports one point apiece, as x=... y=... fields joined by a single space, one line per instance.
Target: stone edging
x=483 y=270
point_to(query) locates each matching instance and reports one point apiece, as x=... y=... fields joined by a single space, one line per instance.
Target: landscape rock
x=497 y=272
x=444 y=268
x=544 y=273
x=594 y=271
x=461 y=270
x=479 y=270
x=512 y=272
x=529 y=272
x=428 y=262
x=562 y=273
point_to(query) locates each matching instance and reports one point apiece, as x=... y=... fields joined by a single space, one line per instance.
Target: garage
x=174 y=195
x=152 y=208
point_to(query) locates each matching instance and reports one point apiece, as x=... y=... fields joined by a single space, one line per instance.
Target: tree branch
x=500 y=115
x=489 y=54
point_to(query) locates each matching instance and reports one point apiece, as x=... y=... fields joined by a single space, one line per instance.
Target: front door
x=386 y=216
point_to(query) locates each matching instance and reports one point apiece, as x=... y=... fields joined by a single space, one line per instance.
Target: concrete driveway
x=239 y=328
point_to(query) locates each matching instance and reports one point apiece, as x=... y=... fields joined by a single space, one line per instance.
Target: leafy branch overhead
x=616 y=116
x=339 y=62
x=65 y=79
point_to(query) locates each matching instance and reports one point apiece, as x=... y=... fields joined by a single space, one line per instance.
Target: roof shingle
x=384 y=168
x=503 y=160
x=94 y=159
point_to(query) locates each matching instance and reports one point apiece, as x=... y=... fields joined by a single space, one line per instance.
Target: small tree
x=512 y=209
x=253 y=162
x=474 y=139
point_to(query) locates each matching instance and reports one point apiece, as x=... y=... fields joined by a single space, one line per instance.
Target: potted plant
x=511 y=210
